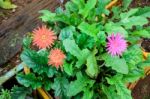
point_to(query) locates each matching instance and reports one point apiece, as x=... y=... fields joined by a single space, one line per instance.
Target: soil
x=146 y=45
x=140 y=3
x=142 y=89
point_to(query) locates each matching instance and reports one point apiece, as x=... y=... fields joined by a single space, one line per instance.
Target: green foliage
x=60 y=86
x=144 y=12
x=6 y=4
x=92 y=67
x=90 y=30
x=113 y=28
x=67 y=32
x=128 y=19
x=101 y=7
x=27 y=42
x=90 y=4
x=133 y=56
x=68 y=68
x=145 y=63
x=37 y=61
x=116 y=63
x=88 y=71
x=72 y=48
x=20 y=92
x=120 y=87
x=5 y=94
x=36 y=82
x=79 y=84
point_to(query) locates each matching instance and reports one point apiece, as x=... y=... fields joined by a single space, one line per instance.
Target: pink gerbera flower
x=43 y=37
x=56 y=58
x=116 y=44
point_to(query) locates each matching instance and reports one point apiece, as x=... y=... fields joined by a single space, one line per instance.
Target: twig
x=111 y=4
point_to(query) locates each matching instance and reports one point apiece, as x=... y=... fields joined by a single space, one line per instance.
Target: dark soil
x=146 y=45
x=142 y=89
x=140 y=3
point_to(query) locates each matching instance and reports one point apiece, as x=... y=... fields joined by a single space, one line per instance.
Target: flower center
x=115 y=43
x=43 y=37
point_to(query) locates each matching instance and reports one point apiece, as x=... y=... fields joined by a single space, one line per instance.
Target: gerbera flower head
x=43 y=37
x=116 y=44
x=56 y=58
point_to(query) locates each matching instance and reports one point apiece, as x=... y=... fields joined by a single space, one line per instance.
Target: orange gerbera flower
x=56 y=58
x=43 y=37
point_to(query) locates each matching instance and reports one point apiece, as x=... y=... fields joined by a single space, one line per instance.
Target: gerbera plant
x=87 y=51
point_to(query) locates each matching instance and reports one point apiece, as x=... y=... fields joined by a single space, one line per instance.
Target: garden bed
x=13 y=61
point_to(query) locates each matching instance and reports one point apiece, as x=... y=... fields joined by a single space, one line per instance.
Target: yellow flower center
x=43 y=37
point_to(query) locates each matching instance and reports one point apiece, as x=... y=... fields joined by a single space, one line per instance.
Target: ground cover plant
x=87 y=51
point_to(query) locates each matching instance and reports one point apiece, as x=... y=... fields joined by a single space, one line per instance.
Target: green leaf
x=29 y=80
x=5 y=94
x=128 y=20
x=72 y=48
x=102 y=38
x=67 y=32
x=133 y=56
x=134 y=21
x=133 y=76
x=27 y=42
x=101 y=7
x=79 y=3
x=83 y=57
x=78 y=85
x=121 y=88
x=122 y=91
x=31 y=58
x=50 y=71
x=20 y=92
x=60 y=86
x=126 y=3
x=68 y=68
x=92 y=67
x=88 y=94
x=126 y=15
x=47 y=84
x=90 y=29
x=145 y=63
x=72 y=7
x=113 y=28
x=116 y=63
x=47 y=15
x=6 y=4
x=90 y=4
x=114 y=79
x=141 y=33
x=144 y=12
x=110 y=92
x=85 y=41
x=116 y=12
x=38 y=61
